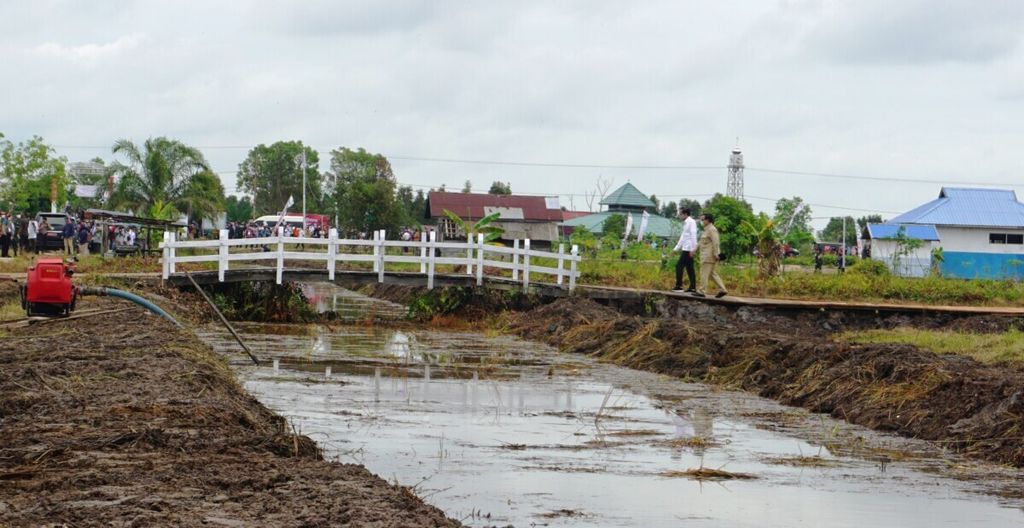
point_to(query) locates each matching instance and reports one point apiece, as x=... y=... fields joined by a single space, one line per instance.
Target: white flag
x=289 y=203
x=629 y=226
x=643 y=226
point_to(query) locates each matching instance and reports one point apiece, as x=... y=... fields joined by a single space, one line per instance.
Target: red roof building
x=533 y=217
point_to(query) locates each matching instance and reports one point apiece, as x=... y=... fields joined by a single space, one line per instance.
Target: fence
x=479 y=255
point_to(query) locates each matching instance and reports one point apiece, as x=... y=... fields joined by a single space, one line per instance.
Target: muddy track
x=132 y=422
x=956 y=402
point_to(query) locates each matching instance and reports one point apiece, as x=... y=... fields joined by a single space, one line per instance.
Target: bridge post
x=222 y=259
x=479 y=259
x=432 y=248
x=561 y=261
x=575 y=252
x=171 y=253
x=332 y=252
x=469 y=253
x=376 y=250
x=423 y=252
x=166 y=255
x=526 y=265
x=515 y=261
x=381 y=252
x=280 y=254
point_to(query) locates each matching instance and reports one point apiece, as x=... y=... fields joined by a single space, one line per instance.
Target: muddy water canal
x=497 y=431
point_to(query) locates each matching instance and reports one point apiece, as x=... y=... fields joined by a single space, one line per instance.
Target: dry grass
x=803 y=461
x=703 y=473
x=986 y=348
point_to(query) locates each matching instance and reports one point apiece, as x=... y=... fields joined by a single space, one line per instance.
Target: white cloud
x=90 y=53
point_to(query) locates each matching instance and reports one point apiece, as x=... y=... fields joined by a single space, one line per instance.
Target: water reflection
x=518 y=431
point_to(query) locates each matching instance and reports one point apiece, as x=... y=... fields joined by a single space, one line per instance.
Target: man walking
x=33 y=235
x=710 y=252
x=5 y=235
x=688 y=245
x=16 y=234
x=68 y=234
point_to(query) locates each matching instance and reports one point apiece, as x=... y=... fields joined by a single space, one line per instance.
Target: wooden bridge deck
x=594 y=292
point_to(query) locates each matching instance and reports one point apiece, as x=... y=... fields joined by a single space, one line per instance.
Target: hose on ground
x=121 y=294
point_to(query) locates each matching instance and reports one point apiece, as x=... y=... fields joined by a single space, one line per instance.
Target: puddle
x=499 y=431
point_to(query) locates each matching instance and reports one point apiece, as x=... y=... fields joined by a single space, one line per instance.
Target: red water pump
x=49 y=290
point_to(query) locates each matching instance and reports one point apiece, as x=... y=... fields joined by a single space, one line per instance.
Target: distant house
x=627 y=200
x=889 y=244
x=522 y=217
x=980 y=231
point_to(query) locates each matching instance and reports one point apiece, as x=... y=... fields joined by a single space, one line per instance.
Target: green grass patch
x=986 y=348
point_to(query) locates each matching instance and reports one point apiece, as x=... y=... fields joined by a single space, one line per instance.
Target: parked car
x=52 y=239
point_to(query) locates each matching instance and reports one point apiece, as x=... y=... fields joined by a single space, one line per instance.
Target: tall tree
x=162 y=179
x=273 y=173
x=29 y=172
x=365 y=191
x=833 y=231
x=729 y=215
x=792 y=220
x=500 y=188
x=657 y=203
x=467 y=187
x=669 y=210
x=862 y=222
x=239 y=209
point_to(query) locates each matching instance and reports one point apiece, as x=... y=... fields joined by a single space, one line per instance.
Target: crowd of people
x=24 y=234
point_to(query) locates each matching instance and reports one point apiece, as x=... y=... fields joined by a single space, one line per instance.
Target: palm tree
x=165 y=178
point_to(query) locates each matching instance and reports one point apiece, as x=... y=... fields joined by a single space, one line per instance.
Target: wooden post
x=526 y=265
x=430 y=269
x=469 y=254
x=224 y=320
x=479 y=259
x=332 y=252
x=561 y=257
x=515 y=260
x=380 y=256
x=222 y=260
x=166 y=255
x=171 y=266
x=423 y=252
x=280 y=254
x=575 y=252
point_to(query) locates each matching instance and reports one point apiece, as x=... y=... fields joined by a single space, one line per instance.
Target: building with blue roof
x=980 y=231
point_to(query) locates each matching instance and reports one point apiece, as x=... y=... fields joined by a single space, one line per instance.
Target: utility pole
x=303 y=191
x=842 y=258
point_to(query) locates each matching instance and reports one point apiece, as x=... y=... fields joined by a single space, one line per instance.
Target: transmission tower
x=735 y=187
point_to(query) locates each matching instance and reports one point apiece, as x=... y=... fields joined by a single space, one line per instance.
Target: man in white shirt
x=33 y=234
x=688 y=245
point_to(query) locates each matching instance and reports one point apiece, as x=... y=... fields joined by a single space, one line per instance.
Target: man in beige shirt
x=710 y=250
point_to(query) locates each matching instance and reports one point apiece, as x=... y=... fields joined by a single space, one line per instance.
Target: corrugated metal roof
x=628 y=196
x=475 y=206
x=958 y=206
x=889 y=230
x=657 y=224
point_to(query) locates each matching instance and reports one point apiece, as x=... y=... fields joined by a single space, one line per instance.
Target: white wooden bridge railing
x=478 y=255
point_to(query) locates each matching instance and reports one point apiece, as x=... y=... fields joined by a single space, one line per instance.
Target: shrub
x=874 y=268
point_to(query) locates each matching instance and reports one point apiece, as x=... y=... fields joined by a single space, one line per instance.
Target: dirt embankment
x=961 y=404
x=128 y=421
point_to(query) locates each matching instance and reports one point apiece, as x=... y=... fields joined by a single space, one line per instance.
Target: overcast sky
x=911 y=89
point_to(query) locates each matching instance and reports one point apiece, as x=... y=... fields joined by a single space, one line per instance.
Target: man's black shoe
x=698 y=294
x=677 y=289
x=721 y=294
x=691 y=290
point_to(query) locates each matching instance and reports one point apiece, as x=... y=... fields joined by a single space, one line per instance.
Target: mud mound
x=134 y=422
x=955 y=401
